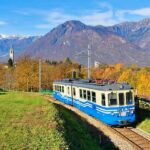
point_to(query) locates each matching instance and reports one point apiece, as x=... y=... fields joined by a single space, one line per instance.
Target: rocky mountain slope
x=136 y=32
x=125 y=43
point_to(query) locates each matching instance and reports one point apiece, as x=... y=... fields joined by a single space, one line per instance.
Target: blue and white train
x=112 y=103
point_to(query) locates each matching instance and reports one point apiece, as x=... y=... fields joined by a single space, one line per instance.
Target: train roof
x=105 y=86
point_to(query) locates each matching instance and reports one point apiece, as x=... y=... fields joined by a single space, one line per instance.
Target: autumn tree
x=2 y=73
x=143 y=80
x=26 y=74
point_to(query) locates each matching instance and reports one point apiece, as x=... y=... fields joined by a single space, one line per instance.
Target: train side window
x=81 y=94
x=74 y=92
x=89 y=95
x=63 y=89
x=121 y=99
x=84 y=94
x=94 y=97
x=68 y=90
x=103 y=100
x=112 y=99
x=129 y=98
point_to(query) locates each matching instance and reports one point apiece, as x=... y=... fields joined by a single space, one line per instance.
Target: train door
x=73 y=94
x=75 y=97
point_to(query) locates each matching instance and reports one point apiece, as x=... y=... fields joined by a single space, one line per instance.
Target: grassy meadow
x=145 y=125
x=143 y=119
x=27 y=121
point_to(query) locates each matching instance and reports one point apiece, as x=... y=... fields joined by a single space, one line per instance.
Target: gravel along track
x=138 y=141
x=123 y=138
x=141 y=132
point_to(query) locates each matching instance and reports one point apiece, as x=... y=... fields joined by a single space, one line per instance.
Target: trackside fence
x=46 y=92
x=142 y=103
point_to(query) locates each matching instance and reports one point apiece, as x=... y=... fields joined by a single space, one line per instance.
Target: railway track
x=138 y=141
x=125 y=136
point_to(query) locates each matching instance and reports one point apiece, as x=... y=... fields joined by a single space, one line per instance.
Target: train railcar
x=112 y=103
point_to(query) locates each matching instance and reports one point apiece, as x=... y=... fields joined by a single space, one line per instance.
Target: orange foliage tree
x=25 y=75
x=2 y=72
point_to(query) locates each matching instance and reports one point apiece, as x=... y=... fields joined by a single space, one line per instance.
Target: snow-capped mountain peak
x=4 y=36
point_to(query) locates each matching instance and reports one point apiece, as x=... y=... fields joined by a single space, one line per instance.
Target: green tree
x=68 y=60
x=10 y=62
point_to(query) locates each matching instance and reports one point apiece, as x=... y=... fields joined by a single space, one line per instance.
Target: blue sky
x=37 y=17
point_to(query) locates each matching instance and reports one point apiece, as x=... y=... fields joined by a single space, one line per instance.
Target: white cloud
x=105 y=5
x=4 y=55
x=43 y=26
x=54 y=18
x=104 y=16
x=96 y=17
x=99 y=18
x=143 y=12
x=57 y=17
x=25 y=13
x=2 y=23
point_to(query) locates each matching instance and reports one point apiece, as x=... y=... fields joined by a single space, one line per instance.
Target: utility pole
x=88 y=52
x=40 y=74
x=89 y=62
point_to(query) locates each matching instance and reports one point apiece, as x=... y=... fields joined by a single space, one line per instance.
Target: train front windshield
x=120 y=99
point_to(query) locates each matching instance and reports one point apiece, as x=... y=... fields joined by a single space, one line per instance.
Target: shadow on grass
x=80 y=135
x=141 y=115
x=2 y=93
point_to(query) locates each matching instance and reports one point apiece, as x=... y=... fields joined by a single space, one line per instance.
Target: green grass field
x=145 y=125
x=143 y=119
x=27 y=121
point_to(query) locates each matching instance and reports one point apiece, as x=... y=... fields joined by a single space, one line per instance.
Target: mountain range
x=19 y=43
x=127 y=42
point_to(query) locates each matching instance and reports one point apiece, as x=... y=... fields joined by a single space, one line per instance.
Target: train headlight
x=112 y=114
x=132 y=111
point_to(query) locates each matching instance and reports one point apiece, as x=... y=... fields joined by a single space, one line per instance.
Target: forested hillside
x=126 y=43
x=25 y=74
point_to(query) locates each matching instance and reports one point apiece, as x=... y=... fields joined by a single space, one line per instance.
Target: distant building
x=96 y=64
x=11 y=54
